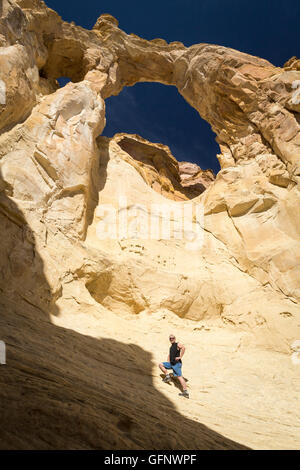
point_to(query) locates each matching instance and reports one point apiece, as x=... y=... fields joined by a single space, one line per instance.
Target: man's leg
x=183 y=383
x=162 y=367
x=178 y=373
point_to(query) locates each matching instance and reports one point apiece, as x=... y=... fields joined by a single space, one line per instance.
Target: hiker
x=174 y=362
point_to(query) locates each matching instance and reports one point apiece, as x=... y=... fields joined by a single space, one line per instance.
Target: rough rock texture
x=158 y=167
x=292 y=64
x=83 y=315
x=195 y=179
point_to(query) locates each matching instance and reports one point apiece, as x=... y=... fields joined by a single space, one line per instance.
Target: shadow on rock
x=63 y=390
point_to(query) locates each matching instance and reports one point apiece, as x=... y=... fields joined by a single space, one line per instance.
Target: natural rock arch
x=242 y=288
x=246 y=100
x=252 y=106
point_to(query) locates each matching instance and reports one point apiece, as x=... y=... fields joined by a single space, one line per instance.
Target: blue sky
x=265 y=28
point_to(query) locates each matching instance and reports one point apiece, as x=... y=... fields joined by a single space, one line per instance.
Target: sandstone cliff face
x=58 y=173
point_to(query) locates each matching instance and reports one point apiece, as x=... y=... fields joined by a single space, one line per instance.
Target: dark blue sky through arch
x=265 y=28
x=160 y=114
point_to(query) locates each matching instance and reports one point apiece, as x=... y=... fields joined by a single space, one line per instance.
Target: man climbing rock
x=174 y=362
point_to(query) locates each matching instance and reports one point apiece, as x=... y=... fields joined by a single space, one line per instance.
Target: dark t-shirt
x=174 y=352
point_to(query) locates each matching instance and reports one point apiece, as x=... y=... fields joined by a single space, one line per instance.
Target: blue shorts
x=176 y=368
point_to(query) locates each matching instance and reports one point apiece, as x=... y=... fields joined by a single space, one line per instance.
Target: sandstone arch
x=251 y=217
x=241 y=96
x=61 y=287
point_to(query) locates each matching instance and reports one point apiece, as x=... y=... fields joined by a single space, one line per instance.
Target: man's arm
x=182 y=351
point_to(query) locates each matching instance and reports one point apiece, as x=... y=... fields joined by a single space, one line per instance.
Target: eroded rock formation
x=58 y=172
x=195 y=179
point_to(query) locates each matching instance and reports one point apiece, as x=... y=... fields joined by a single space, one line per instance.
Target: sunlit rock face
x=238 y=263
x=159 y=168
x=51 y=158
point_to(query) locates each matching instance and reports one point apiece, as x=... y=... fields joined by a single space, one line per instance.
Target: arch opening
x=63 y=81
x=159 y=114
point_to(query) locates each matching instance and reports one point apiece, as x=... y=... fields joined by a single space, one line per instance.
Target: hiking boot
x=184 y=394
x=167 y=379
